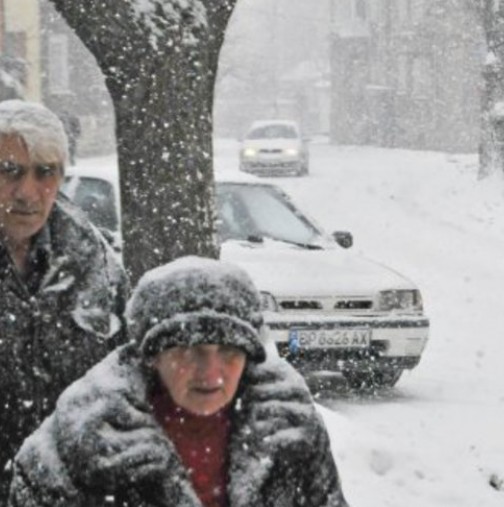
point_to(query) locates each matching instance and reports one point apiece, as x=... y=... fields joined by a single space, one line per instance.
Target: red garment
x=201 y=442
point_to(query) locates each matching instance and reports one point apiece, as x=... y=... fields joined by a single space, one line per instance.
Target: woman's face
x=201 y=379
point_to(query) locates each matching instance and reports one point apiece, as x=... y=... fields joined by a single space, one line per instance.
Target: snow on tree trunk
x=491 y=17
x=159 y=58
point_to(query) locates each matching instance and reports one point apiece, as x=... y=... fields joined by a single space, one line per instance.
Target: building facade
x=42 y=60
x=19 y=50
x=72 y=83
x=406 y=73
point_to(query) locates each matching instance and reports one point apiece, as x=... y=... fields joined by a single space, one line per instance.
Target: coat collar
x=66 y=244
x=273 y=415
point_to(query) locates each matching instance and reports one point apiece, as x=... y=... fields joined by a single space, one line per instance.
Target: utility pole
x=276 y=27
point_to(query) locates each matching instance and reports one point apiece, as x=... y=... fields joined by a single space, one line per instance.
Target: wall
x=22 y=40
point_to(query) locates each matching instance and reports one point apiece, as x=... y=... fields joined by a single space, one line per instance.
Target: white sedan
x=274 y=148
x=326 y=308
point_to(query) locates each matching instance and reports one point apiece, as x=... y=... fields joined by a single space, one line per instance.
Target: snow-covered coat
x=51 y=337
x=102 y=445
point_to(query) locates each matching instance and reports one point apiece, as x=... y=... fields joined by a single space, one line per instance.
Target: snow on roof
x=264 y=123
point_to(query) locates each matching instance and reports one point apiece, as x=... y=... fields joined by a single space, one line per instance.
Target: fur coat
x=102 y=445
x=51 y=334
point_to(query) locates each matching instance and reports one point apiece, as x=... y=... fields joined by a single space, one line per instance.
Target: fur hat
x=193 y=301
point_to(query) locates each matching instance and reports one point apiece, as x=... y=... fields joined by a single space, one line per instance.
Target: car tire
x=373 y=379
x=303 y=170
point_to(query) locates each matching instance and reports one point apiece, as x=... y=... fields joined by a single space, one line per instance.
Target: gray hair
x=38 y=127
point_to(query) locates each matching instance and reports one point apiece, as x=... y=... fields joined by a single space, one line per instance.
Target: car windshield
x=273 y=132
x=96 y=198
x=257 y=211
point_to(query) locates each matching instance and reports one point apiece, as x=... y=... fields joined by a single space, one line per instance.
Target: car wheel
x=303 y=171
x=373 y=379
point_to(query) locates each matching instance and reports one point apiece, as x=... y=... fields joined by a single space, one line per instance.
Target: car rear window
x=96 y=198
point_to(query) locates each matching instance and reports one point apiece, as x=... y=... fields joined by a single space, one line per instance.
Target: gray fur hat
x=193 y=301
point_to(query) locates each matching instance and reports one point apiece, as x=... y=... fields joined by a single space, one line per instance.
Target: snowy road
x=437 y=438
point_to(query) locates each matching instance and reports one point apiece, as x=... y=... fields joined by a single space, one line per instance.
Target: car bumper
x=394 y=342
x=272 y=168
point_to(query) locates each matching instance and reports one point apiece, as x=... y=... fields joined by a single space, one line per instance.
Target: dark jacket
x=51 y=333
x=102 y=445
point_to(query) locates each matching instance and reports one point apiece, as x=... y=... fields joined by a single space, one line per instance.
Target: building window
x=15 y=44
x=417 y=10
x=59 y=74
x=361 y=9
x=422 y=77
x=375 y=13
x=403 y=74
x=404 y=12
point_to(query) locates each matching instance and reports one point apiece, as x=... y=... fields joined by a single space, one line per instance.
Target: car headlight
x=249 y=152
x=400 y=300
x=292 y=152
x=268 y=302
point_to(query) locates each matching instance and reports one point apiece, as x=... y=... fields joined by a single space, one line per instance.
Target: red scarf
x=202 y=444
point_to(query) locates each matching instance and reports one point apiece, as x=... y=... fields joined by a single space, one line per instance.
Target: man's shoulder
x=67 y=220
x=119 y=373
x=73 y=235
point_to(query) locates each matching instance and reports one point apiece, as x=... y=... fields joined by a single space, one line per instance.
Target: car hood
x=261 y=144
x=284 y=269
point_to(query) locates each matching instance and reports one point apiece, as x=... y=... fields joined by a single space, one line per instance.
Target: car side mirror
x=343 y=238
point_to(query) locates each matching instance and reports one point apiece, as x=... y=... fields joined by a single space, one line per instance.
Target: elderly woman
x=188 y=414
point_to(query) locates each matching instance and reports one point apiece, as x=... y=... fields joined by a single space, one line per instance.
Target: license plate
x=330 y=338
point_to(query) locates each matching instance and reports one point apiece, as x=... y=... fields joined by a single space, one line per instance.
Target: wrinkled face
x=201 y=379
x=28 y=189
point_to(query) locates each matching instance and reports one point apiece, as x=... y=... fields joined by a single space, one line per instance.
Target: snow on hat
x=193 y=301
x=40 y=128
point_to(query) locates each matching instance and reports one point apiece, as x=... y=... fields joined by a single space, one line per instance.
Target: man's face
x=201 y=379
x=28 y=189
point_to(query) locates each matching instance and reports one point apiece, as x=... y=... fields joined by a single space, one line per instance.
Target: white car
x=96 y=192
x=274 y=148
x=326 y=308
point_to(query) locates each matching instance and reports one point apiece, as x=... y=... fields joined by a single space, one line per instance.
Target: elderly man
x=189 y=415
x=62 y=291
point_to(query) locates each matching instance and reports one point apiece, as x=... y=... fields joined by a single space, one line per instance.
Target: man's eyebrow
x=47 y=164
x=7 y=162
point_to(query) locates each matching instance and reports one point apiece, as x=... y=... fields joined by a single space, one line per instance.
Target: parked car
x=326 y=308
x=274 y=148
x=97 y=194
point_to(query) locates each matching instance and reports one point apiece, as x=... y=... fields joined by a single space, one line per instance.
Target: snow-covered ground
x=438 y=437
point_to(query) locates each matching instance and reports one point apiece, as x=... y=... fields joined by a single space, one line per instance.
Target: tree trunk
x=491 y=17
x=160 y=59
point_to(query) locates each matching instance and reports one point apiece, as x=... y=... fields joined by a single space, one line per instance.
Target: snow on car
x=274 y=147
x=326 y=308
